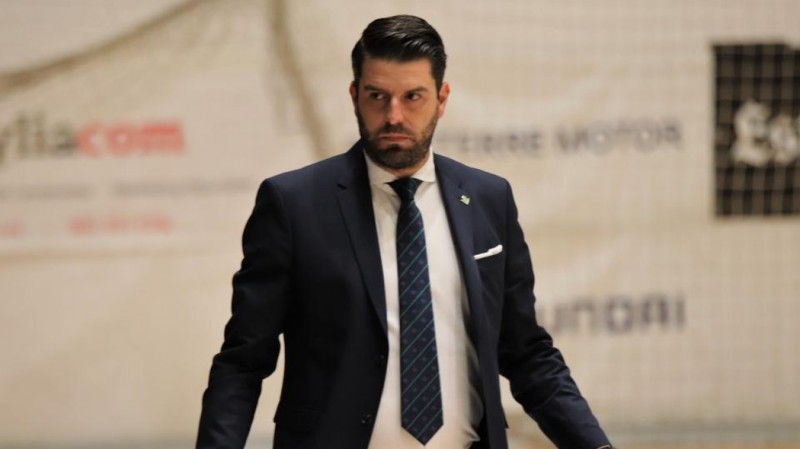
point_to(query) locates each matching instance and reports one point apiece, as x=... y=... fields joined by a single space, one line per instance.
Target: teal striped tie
x=419 y=364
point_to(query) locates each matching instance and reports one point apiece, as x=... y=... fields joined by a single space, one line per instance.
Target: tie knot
x=405 y=188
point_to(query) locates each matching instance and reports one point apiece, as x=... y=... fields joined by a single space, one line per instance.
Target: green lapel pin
x=465 y=199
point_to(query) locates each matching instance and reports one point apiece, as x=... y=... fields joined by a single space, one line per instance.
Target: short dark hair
x=402 y=38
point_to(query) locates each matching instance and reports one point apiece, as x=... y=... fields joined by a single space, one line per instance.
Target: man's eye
x=413 y=96
x=376 y=96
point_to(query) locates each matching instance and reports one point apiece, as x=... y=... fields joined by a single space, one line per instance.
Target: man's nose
x=394 y=112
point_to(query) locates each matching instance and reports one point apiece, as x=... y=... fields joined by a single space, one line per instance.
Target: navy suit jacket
x=312 y=272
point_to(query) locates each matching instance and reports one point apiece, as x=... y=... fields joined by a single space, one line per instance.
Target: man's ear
x=444 y=94
x=354 y=93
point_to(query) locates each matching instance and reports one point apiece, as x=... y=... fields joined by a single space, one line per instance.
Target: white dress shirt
x=458 y=365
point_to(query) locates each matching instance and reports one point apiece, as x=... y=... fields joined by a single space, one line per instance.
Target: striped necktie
x=419 y=365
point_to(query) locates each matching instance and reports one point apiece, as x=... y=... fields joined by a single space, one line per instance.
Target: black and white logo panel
x=757 y=135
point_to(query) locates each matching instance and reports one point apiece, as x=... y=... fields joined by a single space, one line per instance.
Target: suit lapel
x=459 y=207
x=355 y=203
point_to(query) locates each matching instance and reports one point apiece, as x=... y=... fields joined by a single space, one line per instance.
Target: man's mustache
x=395 y=129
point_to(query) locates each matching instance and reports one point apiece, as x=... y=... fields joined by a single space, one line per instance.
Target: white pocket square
x=494 y=251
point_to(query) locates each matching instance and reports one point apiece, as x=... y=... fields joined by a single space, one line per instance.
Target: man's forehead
x=409 y=74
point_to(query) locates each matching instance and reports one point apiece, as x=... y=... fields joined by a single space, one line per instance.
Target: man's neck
x=405 y=172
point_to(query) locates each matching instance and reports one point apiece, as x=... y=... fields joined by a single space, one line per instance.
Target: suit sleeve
x=251 y=346
x=539 y=377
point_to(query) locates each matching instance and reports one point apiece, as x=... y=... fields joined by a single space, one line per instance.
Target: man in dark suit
x=400 y=281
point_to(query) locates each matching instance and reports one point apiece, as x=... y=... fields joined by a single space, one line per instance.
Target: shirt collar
x=378 y=176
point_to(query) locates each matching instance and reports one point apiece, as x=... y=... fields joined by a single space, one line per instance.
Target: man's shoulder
x=466 y=173
x=351 y=165
x=320 y=173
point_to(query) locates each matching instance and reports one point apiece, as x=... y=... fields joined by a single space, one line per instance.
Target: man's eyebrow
x=418 y=89
x=378 y=89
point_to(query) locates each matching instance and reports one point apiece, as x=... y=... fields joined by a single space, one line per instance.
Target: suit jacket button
x=380 y=360
x=367 y=419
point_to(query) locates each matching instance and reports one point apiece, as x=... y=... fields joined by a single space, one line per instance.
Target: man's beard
x=395 y=156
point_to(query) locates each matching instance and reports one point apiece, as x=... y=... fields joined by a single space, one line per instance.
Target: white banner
x=652 y=148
